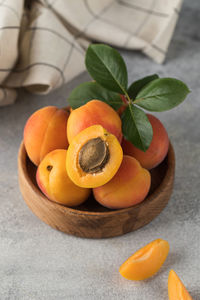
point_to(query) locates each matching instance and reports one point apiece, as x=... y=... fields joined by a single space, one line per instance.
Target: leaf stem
x=138 y=100
x=127 y=97
x=123 y=98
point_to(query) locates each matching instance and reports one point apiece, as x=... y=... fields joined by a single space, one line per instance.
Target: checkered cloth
x=42 y=43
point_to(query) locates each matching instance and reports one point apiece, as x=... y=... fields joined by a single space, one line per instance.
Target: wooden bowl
x=91 y=220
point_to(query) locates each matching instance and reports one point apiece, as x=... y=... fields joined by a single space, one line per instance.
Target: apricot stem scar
x=94 y=155
x=49 y=168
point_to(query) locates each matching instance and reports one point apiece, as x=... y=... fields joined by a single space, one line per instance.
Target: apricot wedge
x=145 y=262
x=176 y=289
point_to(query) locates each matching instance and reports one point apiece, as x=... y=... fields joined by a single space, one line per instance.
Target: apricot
x=44 y=132
x=54 y=182
x=157 y=150
x=176 y=289
x=95 y=112
x=145 y=262
x=128 y=187
x=93 y=157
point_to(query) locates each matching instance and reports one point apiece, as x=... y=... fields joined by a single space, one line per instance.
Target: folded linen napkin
x=42 y=43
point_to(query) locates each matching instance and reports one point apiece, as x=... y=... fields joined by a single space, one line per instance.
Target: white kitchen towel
x=42 y=43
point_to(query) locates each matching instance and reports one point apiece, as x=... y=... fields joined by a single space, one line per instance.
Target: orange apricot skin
x=87 y=180
x=44 y=132
x=157 y=150
x=176 y=289
x=95 y=112
x=145 y=262
x=128 y=187
x=56 y=184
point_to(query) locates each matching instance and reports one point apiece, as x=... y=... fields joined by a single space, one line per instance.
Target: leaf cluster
x=107 y=67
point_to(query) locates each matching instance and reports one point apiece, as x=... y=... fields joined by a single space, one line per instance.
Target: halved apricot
x=145 y=262
x=93 y=157
x=176 y=289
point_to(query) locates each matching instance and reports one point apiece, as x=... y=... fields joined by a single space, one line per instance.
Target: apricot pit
x=93 y=156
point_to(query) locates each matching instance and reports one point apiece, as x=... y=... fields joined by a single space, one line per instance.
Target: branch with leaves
x=107 y=67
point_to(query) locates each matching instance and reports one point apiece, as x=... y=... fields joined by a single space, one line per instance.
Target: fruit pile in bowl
x=102 y=160
x=95 y=158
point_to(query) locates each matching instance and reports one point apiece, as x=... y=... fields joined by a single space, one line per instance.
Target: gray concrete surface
x=37 y=262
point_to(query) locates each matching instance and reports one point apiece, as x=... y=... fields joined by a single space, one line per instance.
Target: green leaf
x=136 y=127
x=136 y=86
x=91 y=90
x=162 y=94
x=107 y=67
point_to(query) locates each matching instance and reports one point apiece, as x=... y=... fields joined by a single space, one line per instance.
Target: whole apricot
x=157 y=150
x=95 y=112
x=93 y=157
x=145 y=262
x=176 y=289
x=128 y=187
x=45 y=131
x=54 y=182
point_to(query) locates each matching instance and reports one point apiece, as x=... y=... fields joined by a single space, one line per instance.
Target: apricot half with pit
x=93 y=157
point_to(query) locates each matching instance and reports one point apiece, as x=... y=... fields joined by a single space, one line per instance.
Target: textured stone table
x=37 y=262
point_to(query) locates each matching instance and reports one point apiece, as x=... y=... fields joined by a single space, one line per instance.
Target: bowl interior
x=91 y=205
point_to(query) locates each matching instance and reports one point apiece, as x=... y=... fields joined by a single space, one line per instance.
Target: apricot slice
x=93 y=157
x=145 y=262
x=176 y=289
x=128 y=187
x=54 y=182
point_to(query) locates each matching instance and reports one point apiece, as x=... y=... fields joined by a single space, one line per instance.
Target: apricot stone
x=93 y=157
x=176 y=289
x=95 y=112
x=157 y=150
x=54 y=182
x=128 y=187
x=145 y=262
x=45 y=131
